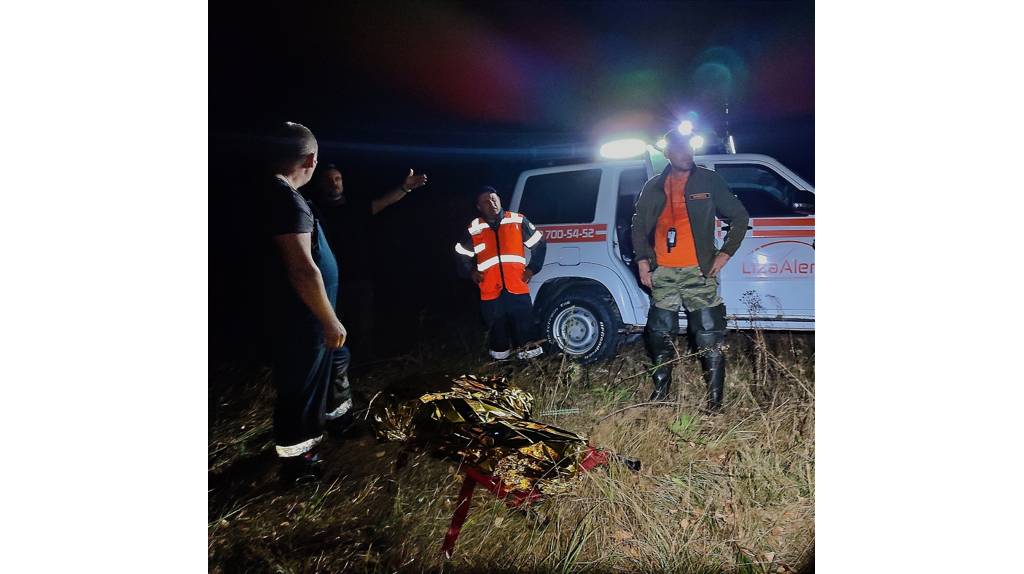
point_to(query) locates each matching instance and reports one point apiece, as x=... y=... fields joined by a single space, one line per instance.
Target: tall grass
x=731 y=492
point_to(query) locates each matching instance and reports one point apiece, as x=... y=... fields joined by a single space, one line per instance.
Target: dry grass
x=726 y=493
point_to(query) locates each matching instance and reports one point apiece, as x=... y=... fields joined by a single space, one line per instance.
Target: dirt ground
x=727 y=493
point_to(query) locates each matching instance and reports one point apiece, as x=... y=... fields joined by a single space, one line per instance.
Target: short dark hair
x=288 y=143
x=482 y=190
x=321 y=172
x=323 y=169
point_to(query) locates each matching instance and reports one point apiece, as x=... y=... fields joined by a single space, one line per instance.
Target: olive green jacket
x=706 y=193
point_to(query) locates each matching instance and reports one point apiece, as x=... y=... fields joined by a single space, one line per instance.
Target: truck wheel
x=584 y=326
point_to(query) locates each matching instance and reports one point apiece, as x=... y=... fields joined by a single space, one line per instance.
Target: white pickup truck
x=587 y=295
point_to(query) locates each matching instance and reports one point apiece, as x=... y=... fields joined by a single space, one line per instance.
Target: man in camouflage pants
x=674 y=241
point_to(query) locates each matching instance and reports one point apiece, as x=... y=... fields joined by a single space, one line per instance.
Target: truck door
x=769 y=283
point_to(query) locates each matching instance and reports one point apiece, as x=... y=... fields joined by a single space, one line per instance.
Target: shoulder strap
x=314 y=239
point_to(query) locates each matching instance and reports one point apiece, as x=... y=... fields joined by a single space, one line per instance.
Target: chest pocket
x=698 y=196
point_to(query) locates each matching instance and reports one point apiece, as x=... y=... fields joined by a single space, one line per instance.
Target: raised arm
x=411 y=182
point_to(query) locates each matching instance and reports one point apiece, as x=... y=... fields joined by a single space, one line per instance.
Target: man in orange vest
x=674 y=240
x=493 y=253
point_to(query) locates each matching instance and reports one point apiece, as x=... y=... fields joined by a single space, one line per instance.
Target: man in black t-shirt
x=302 y=285
x=348 y=222
x=349 y=225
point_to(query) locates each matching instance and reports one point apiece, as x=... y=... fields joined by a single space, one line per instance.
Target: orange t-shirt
x=684 y=254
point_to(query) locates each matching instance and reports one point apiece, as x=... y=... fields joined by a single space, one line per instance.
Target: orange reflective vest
x=500 y=256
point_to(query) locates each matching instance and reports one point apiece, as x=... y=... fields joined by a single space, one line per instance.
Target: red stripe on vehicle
x=783 y=233
x=784 y=222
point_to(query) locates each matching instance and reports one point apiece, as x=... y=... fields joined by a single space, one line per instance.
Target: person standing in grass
x=302 y=287
x=674 y=240
x=492 y=252
x=349 y=226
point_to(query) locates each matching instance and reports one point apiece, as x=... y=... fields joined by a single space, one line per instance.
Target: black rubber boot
x=708 y=328
x=302 y=469
x=661 y=328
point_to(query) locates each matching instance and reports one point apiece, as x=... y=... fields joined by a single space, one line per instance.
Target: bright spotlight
x=661 y=144
x=623 y=149
x=685 y=127
x=696 y=142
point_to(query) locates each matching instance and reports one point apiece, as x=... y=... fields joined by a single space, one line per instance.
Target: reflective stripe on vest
x=485 y=265
x=463 y=251
x=476 y=226
x=537 y=235
x=504 y=270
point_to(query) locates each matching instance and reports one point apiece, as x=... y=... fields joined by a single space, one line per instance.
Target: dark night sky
x=472 y=93
x=517 y=74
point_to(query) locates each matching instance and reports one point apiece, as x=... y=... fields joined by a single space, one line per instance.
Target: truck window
x=563 y=197
x=631 y=182
x=765 y=193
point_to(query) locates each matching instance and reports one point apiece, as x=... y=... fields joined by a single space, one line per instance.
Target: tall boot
x=708 y=328
x=661 y=327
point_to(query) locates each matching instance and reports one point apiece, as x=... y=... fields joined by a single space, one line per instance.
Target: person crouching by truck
x=492 y=252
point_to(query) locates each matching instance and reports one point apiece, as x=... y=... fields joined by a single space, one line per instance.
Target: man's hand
x=477 y=276
x=527 y=275
x=720 y=260
x=646 y=277
x=412 y=181
x=334 y=334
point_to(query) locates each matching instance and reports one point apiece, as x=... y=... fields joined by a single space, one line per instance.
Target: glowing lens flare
x=623 y=149
x=685 y=127
x=697 y=142
x=661 y=144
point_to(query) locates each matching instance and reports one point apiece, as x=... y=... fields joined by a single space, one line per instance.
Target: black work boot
x=661 y=327
x=301 y=469
x=708 y=328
